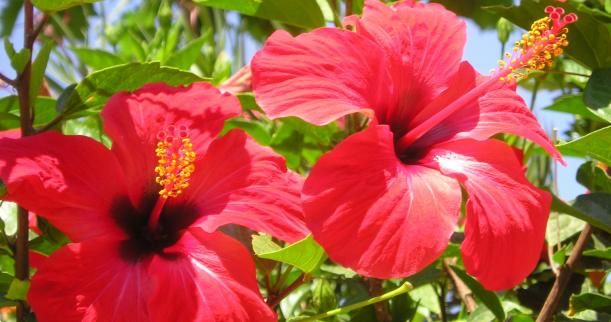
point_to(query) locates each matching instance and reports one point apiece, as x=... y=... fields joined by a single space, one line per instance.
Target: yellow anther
x=176 y=163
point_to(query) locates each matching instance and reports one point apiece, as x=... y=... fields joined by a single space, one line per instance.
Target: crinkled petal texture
x=209 y=277
x=376 y=215
x=506 y=214
x=398 y=59
x=133 y=121
x=241 y=182
x=70 y=180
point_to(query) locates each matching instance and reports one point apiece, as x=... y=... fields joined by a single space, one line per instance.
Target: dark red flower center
x=143 y=241
x=156 y=223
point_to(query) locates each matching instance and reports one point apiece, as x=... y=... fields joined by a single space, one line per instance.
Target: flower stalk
x=404 y=288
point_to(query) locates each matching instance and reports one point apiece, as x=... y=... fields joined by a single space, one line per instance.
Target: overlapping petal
x=376 y=215
x=213 y=281
x=423 y=46
x=242 y=183
x=89 y=282
x=506 y=215
x=133 y=120
x=319 y=76
x=70 y=180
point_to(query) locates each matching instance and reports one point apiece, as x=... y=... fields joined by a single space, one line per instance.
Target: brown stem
x=22 y=268
x=464 y=292
x=553 y=298
x=348 y=7
x=381 y=308
x=275 y=300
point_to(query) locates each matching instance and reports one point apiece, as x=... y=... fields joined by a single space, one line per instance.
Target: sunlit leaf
x=305 y=254
x=490 y=299
x=57 y=5
x=595 y=144
x=301 y=13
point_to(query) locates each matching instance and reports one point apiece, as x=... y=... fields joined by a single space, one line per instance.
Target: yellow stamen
x=538 y=47
x=176 y=162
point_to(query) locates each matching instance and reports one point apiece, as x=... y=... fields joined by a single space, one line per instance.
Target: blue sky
x=482 y=51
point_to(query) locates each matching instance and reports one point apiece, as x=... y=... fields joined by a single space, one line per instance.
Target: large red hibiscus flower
x=142 y=217
x=386 y=200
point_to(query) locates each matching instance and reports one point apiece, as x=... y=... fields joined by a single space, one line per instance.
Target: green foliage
x=591 y=301
x=597 y=94
x=19 y=59
x=593 y=208
x=93 y=91
x=301 y=13
x=488 y=298
x=588 y=37
x=594 y=177
x=97 y=58
x=595 y=145
x=305 y=254
x=57 y=5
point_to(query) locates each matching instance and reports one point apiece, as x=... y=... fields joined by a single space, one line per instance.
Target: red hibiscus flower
x=142 y=217
x=386 y=200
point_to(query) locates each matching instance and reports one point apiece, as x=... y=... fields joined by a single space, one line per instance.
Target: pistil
x=536 y=51
x=175 y=164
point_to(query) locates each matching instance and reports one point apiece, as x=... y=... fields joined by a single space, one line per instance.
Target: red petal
x=214 y=282
x=240 y=182
x=506 y=215
x=423 y=44
x=69 y=180
x=500 y=110
x=89 y=282
x=318 y=76
x=376 y=215
x=133 y=120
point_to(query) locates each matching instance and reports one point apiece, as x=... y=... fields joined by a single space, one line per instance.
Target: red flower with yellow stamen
x=386 y=200
x=142 y=217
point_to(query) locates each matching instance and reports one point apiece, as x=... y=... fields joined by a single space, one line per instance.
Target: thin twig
x=464 y=292
x=348 y=7
x=442 y=302
x=58 y=119
x=381 y=308
x=22 y=267
x=553 y=298
x=8 y=80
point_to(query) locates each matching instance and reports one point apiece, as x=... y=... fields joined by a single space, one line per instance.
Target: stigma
x=175 y=161
x=538 y=48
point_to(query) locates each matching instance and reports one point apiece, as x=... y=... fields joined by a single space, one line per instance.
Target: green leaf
x=574 y=104
x=490 y=299
x=593 y=208
x=600 y=253
x=559 y=257
x=44 y=108
x=561 y=227
x=590 y=301
x=305 y=254
x=187 y=55
x=20 y=60
x=594 y=177
x=97 y=58
x=595 y=144
x=18 y=290
x=222 y=68
x=253 y=128
x=57 y=5
x=264 y=244
x=588 y=38
x=93 y=91
x=301 y=13
x=38 y=69
x=597 y=93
